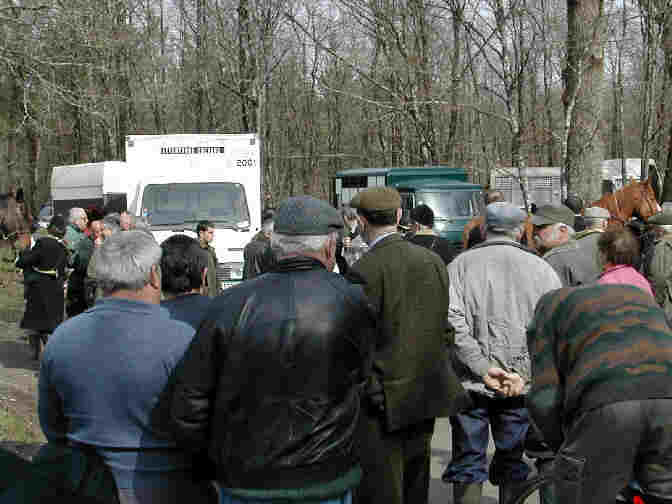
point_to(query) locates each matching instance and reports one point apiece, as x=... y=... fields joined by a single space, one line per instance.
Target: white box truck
x=107 y=185
x=186 y=178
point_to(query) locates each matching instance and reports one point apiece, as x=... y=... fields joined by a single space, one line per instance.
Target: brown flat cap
x=377 y=198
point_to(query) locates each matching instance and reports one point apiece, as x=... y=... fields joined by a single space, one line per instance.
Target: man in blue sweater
x=103 y=372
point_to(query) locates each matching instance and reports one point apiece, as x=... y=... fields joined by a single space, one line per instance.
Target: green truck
x=444 y=189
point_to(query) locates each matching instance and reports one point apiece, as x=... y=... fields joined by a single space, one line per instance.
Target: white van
x=183 y=179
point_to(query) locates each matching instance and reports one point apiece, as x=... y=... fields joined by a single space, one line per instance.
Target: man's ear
x=155 y=277
x=204 y=278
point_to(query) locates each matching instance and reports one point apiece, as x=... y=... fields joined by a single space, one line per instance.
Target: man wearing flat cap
x=494 y=287
x=271 y=385
x=556 y=239
x=412 y=380
x=659 y=267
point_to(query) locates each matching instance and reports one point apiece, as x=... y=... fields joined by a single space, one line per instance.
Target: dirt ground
x=18 y=372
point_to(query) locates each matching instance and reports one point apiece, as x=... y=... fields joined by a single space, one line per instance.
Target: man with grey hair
x=103 y=371
x=79 y=246
x=77 y=222
x=271 y=384
x=556 y=239
x=494 y=287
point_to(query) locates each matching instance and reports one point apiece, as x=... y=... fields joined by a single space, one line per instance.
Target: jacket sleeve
x=193 y=396
x=545 y=398
x=660 y=268
x=30 y=258
x=468 y=350
x=49 y=404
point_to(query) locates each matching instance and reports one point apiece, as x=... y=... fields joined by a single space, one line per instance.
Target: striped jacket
x=595 y=345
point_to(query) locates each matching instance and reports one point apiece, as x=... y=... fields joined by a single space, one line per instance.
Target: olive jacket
x=408 y=288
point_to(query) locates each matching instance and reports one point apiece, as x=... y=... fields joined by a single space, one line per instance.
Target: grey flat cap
x=503 y=216
x=553 y=214
x=305 y=215
x=596 y=212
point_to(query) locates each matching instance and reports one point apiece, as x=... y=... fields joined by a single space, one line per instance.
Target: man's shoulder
x=566 y=249
x=256 y=246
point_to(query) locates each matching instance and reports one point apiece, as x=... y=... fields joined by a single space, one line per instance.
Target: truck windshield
x=223 y=203
x=451 y=204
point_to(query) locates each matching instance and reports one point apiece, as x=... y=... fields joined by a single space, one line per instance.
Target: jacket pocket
x=508 y=348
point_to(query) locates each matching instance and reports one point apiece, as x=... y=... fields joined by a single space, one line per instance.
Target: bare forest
x=336 y=84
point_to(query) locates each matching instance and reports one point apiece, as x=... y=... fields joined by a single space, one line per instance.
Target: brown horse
x=635 y=199
x=15 y=220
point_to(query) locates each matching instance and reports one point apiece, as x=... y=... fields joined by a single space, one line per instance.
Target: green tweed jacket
x=408 y=286
x=592 y=346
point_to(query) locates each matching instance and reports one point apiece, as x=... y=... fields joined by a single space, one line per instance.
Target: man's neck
x=312 y=255
x=145 y=295
x=425 y=231
x=377 y=233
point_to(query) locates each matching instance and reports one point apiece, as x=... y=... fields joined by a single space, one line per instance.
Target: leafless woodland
x=335 y=84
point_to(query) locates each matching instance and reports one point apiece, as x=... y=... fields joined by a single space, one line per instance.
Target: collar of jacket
x=390 y=238
x=586 y=232
x=297 y=263
x=569 y=245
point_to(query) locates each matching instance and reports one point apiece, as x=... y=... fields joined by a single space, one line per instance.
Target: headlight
x=236 y=270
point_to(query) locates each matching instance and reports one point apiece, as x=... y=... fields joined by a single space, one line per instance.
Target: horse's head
x=15 y=218
x=644 y=200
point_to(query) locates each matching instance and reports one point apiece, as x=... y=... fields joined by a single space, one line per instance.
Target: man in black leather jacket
x=271 y=384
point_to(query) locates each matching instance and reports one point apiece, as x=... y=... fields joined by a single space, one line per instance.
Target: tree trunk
x=584 y=90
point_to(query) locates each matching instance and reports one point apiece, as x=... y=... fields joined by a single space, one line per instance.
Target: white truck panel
x=201 y=158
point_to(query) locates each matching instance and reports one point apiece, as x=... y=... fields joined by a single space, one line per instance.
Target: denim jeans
x=509 y=420
x=226 y=498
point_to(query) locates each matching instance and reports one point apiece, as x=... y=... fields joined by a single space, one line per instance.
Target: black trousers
x=395 y=464
x=607 y=447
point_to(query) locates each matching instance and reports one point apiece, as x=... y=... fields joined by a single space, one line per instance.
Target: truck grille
x=223 y=273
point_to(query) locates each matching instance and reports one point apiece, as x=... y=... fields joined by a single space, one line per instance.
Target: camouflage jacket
x=595 y=345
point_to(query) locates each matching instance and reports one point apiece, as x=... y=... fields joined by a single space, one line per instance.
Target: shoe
x=467 y=493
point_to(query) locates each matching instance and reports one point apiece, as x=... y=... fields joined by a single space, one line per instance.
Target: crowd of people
x=304 y=385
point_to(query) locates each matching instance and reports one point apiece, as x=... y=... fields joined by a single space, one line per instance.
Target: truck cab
x=454 y=204
x=444 y=189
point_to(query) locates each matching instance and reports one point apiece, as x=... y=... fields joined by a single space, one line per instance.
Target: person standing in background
x=423 y=234
x=44 y=274
x=206 y=234
x=412 y=380
x=258 y=254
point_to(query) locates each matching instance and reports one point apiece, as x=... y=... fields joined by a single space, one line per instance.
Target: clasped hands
x=503 y=382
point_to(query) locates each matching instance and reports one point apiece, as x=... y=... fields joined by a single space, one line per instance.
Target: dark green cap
x=377 y=198
x=305 y=215
x=553 y=214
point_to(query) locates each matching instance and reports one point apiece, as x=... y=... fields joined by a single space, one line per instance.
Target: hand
x=504 y=383
x=494 y=379
x=514 y=385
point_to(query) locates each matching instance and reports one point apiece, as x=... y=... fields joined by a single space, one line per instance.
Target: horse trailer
x=543 y=184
